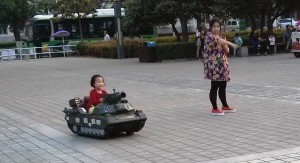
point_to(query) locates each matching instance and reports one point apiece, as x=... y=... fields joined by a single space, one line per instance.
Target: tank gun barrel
x=114 y=98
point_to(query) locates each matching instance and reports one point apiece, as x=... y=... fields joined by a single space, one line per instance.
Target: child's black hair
x=237 y=35
x=93 y=79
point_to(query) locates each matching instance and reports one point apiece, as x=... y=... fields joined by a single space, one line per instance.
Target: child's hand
x=101 y=100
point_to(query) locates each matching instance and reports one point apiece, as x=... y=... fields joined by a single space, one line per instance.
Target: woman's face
x=215 y=29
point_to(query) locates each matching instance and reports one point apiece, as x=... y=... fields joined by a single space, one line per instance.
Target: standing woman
x=216 y=67
x=198 y=44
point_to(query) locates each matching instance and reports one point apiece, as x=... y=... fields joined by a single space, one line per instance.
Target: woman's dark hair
x=93 y=79
x=212 y=22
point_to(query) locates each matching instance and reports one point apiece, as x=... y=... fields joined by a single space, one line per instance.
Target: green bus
x=93 y=26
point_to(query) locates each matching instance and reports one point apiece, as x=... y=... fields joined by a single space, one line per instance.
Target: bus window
x=60 y=27
x=3 y=29
x=74 y=28
x=110 y=28
x=92 y=29
x=43 y=30
x=109 y=24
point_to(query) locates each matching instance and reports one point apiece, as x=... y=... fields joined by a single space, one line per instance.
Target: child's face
x=215 y=29
x=99 y=83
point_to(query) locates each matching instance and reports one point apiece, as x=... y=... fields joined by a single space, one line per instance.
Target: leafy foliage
x=15 y=12
x=74 y=9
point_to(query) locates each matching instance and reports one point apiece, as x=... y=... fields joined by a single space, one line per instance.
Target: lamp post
x=118 y=15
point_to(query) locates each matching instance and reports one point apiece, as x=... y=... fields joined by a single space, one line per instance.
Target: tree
x=15 y=12
x=149 y=13
x=74 y=9
x=199 y=9
x=166 y=8
x=41 y=6
x=183 y=12
x=268 y=10
x=159 y=12
x=279 y=8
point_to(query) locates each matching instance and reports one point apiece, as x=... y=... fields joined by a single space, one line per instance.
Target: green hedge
x=109 y=49
x=132 y=49
x=4 y=45
x=168 y=47
x=177 y=50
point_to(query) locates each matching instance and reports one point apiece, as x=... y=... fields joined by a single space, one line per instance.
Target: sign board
x=117 y=8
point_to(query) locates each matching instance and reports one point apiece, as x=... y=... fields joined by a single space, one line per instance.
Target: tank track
x=95 y=132
x=89 y=131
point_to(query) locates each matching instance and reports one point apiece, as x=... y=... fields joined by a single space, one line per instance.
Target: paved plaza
x=265 y=90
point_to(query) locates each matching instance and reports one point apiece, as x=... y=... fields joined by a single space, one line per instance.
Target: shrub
x=4 y=45
x=176 y=50
x=165 y=39
x=108 y=49
x=168 y=47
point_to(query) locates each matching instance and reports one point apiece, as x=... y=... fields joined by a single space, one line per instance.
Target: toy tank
x=296 y=43
x=114 y=115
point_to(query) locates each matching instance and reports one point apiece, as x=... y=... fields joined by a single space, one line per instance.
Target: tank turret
x=114 y=98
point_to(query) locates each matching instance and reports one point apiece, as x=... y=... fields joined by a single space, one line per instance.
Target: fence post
x=21 y=53
x=64 y=50
x=49 y=50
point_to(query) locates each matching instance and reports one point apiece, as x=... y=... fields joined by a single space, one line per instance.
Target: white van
x=232 y=25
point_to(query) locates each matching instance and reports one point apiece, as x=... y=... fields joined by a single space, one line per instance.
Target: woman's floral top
x=216 y=67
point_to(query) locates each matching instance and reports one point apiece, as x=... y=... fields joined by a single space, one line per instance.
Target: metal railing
x=31 y=52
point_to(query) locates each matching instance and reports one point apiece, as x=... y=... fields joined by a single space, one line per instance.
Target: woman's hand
x=235 y=46
x=226 y=49
x=223 y=42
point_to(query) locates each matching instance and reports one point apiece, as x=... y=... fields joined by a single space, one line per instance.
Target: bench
x=7 y=54
x=251 y=50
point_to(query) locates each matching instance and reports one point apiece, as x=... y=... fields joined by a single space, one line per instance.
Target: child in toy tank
x=95 y=123
x=96 y=94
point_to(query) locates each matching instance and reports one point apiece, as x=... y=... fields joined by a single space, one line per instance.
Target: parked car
x=232 y=25
x=282 y=23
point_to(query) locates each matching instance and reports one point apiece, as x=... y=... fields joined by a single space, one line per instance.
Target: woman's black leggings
x=215 y=86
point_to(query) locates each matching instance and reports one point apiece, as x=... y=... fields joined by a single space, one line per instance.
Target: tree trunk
x=253 y=21
x=176 y=31
x=184 y=29
x=16 y=31
x=183 y=22
x=80 y=28
x=269 y=23
x=199 y=20
x=262 y=22
x=225 y=26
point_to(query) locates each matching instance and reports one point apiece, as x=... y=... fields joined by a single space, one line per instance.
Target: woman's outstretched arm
x=221 y=41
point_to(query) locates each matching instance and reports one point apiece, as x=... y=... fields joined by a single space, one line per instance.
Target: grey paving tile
x=157 y=88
